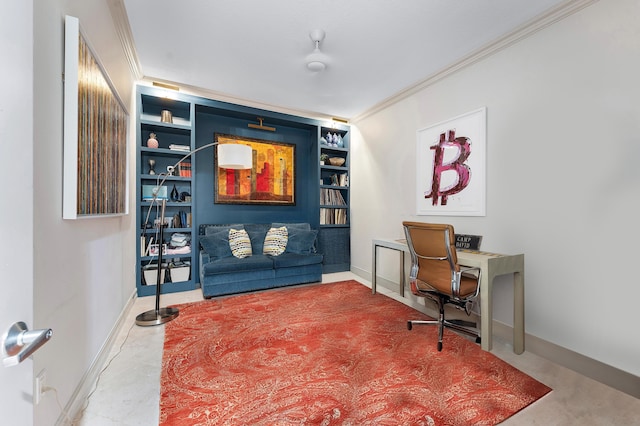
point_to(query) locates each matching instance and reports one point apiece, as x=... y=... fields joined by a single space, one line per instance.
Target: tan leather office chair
x=436 y=275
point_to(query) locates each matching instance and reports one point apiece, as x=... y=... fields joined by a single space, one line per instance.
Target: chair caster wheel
x=439 y=346
x=409 y=325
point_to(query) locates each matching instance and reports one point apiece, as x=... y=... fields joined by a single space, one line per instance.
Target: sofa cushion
x=240 y=243
x=216 y=244
x=289 y=260
x=212 y=229
x=275 y=242
x=292 y=226
x=302 y=241
x=257 y=232
x=233 y=264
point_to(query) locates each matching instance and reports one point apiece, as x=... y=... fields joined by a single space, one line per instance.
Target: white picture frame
x=96 y=159
x=451 y=166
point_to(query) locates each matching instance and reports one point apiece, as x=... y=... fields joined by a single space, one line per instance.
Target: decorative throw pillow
x=216 y=244
x=302 y=242
x=276 y=241
x=239 y=243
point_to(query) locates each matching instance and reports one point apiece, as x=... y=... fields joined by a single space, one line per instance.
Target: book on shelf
x=181 y=219
x=333 y=216
x=331 y=197
x=175 y=147
x=184 y=169
x=145 y=245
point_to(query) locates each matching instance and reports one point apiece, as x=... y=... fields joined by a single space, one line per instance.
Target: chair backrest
x=433 y=254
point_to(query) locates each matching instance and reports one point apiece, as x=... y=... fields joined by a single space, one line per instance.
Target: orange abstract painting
x=271 y=179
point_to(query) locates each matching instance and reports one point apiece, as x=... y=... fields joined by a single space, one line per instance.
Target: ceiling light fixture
x=317 y=61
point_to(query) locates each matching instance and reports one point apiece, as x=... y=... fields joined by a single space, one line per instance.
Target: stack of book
x=331 y=197
x=175 y=147
x=333 y=216
x=181 y=219
x=184 y=169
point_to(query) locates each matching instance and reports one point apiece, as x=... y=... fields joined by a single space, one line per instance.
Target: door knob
x=19 y=343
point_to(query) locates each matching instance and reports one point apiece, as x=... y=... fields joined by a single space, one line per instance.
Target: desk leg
x=486 y=311
x=518 y=312
x=401 y=273
x=373 y=269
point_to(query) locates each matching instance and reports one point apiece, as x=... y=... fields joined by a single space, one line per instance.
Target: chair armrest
x=470 y=270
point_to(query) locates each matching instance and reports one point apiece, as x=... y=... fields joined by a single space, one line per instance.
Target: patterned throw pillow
x=276 y=241
x=239 y=243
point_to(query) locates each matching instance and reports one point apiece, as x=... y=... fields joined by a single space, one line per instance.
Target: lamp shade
x=235 y=156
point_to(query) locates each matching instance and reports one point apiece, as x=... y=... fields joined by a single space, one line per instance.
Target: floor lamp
x=230 y=156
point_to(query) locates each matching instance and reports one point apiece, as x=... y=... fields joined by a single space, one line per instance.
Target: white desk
x=491 y=265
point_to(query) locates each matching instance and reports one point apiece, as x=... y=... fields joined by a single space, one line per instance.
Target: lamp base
x=157 y=317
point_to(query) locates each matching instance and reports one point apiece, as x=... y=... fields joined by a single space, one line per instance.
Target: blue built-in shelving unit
x=196 y=120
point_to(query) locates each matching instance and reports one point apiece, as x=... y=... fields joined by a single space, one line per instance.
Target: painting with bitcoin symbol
x=451 y=175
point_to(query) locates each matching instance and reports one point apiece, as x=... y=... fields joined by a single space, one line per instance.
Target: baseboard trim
x=85 y=387
x=588 y=367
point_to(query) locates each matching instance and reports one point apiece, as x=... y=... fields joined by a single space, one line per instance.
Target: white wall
x=563 y=187
x=84 y=269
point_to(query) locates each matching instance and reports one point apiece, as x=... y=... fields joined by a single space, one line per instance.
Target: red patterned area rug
x=328 y=354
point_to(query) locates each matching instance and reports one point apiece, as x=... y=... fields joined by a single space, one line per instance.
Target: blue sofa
x=222 y=273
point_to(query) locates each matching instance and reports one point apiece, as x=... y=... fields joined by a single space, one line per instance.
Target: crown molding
x=224 y=97
x=123 y=29
x=563 y=10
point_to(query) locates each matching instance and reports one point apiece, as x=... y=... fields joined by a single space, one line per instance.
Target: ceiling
x=255 y=50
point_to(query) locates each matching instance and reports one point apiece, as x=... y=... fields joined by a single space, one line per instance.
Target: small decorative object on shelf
x=323 y=141
x=323 y=159
x=336 y=161
x=152 y=164
x=166 y=116
x=332 y=139
x=175 y=195
x=152 y=142
x=340 y=142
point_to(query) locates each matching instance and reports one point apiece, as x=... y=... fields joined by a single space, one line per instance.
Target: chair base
x=460 y=326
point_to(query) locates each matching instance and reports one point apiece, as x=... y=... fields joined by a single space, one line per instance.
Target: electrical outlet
x=40 y=384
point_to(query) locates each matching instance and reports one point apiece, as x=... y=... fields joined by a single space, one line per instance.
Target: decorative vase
x=166 y=116
x=340 y=141
x=152 y=142
x=175 y=196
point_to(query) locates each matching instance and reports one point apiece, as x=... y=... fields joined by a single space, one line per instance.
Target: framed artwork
x=451 y=166
x=271 y=179
x=95 y=181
